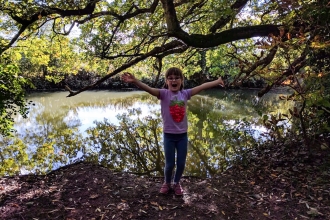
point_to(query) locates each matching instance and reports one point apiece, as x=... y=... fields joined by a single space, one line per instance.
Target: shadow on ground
x=274 y=184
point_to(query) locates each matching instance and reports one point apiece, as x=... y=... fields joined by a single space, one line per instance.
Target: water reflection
x=122 y=131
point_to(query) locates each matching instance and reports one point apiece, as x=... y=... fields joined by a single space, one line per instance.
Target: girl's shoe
x=177 y=189
x=165 y=188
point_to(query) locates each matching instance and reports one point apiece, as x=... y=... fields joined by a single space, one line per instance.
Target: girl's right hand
x=128 y=78
x=221 y=82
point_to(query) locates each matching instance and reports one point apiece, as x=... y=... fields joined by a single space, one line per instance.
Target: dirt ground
x=274 y=184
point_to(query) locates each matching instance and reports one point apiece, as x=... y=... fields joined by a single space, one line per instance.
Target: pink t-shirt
x=173 y=109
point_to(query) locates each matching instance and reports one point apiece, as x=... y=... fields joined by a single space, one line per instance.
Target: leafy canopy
x=164 y=32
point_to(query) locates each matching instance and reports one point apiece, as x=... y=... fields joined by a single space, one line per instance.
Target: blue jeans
x=172 y=143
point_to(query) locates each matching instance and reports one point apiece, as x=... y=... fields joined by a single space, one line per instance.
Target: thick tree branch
x=262 y=62
x=14 y=39
x=236 y=8
x=89 y=9
x=124 y=17
x=213 y=40
x=296 y=65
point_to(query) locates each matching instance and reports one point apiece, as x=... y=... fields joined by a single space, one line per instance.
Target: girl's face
x=174 y=83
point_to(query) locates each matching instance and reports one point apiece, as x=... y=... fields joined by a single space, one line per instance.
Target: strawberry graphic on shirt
x=177 y=110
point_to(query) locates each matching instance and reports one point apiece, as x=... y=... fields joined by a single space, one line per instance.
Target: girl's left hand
x=128 y=78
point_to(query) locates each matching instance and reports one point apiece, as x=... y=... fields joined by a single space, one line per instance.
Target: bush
x=11 y=97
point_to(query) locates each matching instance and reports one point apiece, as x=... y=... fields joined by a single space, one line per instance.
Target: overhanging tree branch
x=296 y=65
x=157 y=50
x=214 y=39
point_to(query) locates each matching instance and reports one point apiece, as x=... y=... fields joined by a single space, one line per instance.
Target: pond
x=123 y=131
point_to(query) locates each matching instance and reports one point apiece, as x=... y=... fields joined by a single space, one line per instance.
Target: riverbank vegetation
x=79 y=46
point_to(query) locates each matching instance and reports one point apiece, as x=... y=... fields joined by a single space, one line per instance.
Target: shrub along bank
x=82 y=79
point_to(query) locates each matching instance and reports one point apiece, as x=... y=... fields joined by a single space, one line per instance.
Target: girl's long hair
x=174 y=71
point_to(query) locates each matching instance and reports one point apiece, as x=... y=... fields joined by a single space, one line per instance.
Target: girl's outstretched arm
x=129 y=78
x=207 y=85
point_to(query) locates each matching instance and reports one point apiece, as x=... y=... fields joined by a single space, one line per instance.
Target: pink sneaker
x=177 y=189
x=165 y=188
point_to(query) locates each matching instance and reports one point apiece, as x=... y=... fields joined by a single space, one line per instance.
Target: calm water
x=122 y=131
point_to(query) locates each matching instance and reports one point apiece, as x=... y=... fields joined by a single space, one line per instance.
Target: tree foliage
x=131 y=32
x=11 y=97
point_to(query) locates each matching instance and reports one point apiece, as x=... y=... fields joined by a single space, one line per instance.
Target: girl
x=173 y=100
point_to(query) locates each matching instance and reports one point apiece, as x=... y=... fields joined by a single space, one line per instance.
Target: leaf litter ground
x=273 y=184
